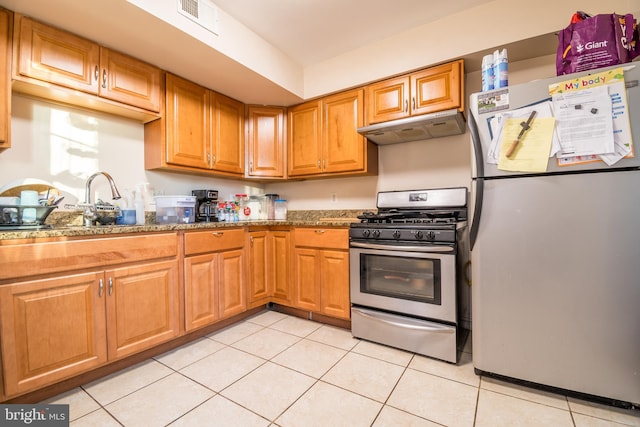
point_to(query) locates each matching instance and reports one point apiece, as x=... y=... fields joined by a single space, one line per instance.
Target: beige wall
x=443 y=162
x=64 y=145
x=489 y=26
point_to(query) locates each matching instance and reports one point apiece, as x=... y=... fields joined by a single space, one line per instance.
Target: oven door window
x=414 y=279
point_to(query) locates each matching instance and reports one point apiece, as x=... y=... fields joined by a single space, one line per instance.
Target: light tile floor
x=277 y=370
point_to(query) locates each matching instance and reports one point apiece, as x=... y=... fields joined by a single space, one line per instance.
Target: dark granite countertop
x=69 y=224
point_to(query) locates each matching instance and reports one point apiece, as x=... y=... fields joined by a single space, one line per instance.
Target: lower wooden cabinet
x=51 y=329
x=269 y=267
x=142 y=306
x=70 y=306
x=322 y=271
x=214 y=272
x=55 y=328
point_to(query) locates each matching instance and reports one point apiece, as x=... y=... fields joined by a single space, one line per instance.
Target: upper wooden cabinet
x=200 y=132
x=304 y=139
x=52 y=56
x=228 y=134
x=266 y=150
x=323 y=138
x=6 y=32
x=188 y=124
x=426 y=91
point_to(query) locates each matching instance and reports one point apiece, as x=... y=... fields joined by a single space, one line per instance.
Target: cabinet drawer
x=333 y=238
x=213 y=241
x=51 y=257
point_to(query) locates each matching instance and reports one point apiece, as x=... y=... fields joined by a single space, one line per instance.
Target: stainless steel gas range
x=405 y=263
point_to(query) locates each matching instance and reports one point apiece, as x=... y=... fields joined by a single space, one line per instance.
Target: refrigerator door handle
x=477 y=179
x=478 y=184
x=477 y=146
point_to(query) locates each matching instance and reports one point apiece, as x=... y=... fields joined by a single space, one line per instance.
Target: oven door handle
x=409 y=248
x=434 y=328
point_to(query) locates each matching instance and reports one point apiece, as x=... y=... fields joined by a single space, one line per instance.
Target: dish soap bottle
x=139 y=205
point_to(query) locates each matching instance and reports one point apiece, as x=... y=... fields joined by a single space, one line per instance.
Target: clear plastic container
x=280 y=209
x=175 y=209
x=270 y=206
x=256 y=206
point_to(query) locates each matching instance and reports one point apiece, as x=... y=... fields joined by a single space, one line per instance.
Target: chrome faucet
x=89 y=213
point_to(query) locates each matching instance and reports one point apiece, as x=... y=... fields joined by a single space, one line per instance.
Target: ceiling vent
x=203 y=12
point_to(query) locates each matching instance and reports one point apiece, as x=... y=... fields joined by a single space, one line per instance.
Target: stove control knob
x=376 y=233
x=431 y=235
x=418 y=235
x=396 y=234
x=366 y=233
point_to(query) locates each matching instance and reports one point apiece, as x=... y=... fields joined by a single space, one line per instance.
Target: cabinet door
x=127 y=80
x=201 y=306
x=266 y=144
x=54 y=56
x=344 y=147
x=307 y=279
x=142 y=307
x=51 y=329
x=334 y=294
x=280 y=261
x=304 y=139
x=388 y=100
x=232 y=288
x=260 y=273
x=228 y=134
x=5 y=78
x=437 y=88
x=188 y=123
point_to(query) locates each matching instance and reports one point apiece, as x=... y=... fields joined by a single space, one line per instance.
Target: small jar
x=280 y=209
x=244 y=211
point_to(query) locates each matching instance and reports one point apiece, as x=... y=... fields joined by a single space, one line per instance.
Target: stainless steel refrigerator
x=556 y=260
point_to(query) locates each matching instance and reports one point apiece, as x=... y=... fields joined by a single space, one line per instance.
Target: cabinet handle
x=251 y=166
x=214 y=159
x=406 y=105
x=318 y=163
x=217 y=234
x=319 y=231
x=413 y=103
x=96 y=73
x=100 y=288
x=104 y=78
x=251 y=240
x=110 y=285
x=324 y=164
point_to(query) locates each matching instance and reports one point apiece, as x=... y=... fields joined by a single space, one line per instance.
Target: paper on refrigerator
x=496 y=123
x=532 y=153
x=616 y=100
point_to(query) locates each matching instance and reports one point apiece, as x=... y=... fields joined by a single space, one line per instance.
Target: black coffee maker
x=206 y=205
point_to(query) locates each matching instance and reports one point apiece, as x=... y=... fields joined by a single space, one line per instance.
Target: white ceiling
x=311 y=31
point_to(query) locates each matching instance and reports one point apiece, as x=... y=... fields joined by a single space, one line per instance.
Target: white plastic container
x=487 y=73
x=175 y=209
x=280 y=209
x=500 y=69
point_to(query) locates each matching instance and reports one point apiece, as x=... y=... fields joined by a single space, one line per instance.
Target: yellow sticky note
x=532 y=153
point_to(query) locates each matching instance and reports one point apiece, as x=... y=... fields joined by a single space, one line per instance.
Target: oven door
x=421 y=284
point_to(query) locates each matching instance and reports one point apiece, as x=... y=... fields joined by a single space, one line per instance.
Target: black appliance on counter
x=206 y=205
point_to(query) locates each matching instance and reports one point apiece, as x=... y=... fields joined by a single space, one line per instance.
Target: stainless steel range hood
x=427 y=126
